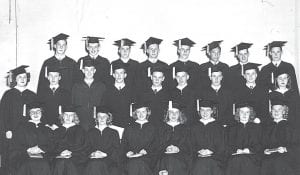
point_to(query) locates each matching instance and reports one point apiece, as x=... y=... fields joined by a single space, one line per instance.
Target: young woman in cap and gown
x=69 y=144
x=103 y=145
x=32 y=144
x=173 y=143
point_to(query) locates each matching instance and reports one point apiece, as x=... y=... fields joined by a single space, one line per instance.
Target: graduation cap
x=103 y=109
x=55 y=39
x=140 y=104
x=242 y=104
x=150 y=41
x=184 y=41
x=280 y=71
x=18 y=70
x=118 y=65
x=53 y=69
x=92 y=39
x=211 y=46
x=124 y=42
x=69 y=108
x=179 y=68
x=207 y=104
x=33 y=105
x=175 y=105
x=269 y=46
x=251 y=66
x=240 y=46
x=157 y=69
x=278 y=101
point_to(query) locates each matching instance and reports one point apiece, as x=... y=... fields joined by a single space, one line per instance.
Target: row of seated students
x=205 y=147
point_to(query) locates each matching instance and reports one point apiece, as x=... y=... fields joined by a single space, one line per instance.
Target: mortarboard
x=207 y=103
x=124 y=42
x=69 y=108
x=150 y=41
x=184 y=41
x=19 y=70
x=175 y=105
x=216 y=68
x=240 y=46
x=211 y=46
x=251 y=66
x=34 y=104
x=157 y=69
x=118 y=65
x=280 y=71
x=140 y=104
x=92 y=39
x=278 y=101
x=269 y=46
x=55 y=39
x=103 y=109
x=243 y=104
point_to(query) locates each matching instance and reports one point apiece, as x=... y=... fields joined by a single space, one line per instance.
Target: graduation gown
x=131 y=70
x=178 y=163
x=224 y=99
x=143 y=81
x=275 y=135
x=51 y=102
x=86 y=98
x=108 y=142
x=72 y=139
x=258 y=96
x=102 y=69
x=266 y=71
x=158 y=104
x=135 y=138
x=243 y=136
x=68 y=74
x=11 y=107
x=193 y=71
x=119 y=103
x=209 y=136
x=187 y=98
x=204 y=78
x=28 y=135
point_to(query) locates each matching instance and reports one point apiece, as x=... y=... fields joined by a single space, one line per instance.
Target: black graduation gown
x=193 y=71
x=72 y=139
x=275 y=135
x=143 y=81
x=28 y=135
x=135 y=138
x=131 y=70
x=85 y=98
x=258 y=96
x=186 y=97
x=11 y=107
x=266 y=71
x=51 y=101
x=292 y=99
x=119 y=103
x=209 y=136
x=178 y=163
x=158 y=104
x=240 y=137
x=224 y=99
x=108 y=142
x=204 y=78
x=102 y=69
x=67 y=74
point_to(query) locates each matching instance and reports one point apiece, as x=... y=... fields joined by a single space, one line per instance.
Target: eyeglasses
x=35 y=112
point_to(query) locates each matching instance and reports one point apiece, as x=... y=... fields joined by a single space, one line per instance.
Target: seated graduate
x=244 y=142
x=31 y=144
x=173 y=145
x=69 y=144
x=103 y=145
x=276 y=142
x=139 y=142
x=207 y=140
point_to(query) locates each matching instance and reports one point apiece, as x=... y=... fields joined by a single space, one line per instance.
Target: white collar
x=243 y=64
x=276 y=62
x=279 y=120
x=251 y=84
x=173 y=124
x=54 y=86
x=205 y=122
x=60 y=57
x=282 y=91
x=141 y=122
x=244 y=122
x=153 y=60
x=101 y=128
x=125 y=60
x=68 y=125
x=156 y=88
x=216 y=87
x=34 y=122
x=120 y=85
x=181 y=87
x=214 y=63
x=89 y=81
x=183 y=60
x=21 y=89
x=93 y=57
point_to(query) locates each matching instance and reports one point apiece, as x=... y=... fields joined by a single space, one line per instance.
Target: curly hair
x=181 y=119
x=285 y=112
x=134 y=114
x=289 y=82
x=75 y=120
x=251 y=117
x=213 y=115
x=13 y=82
x=108 y=121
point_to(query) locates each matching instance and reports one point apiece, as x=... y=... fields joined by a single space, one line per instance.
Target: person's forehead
x=205 y=108
x=61 y=42
x=35 y=109
x=22 y=74
x=153 y=46
x=245 y=108
x=185 y=47
x=250 y=71
x=216 y=73
x=93 y=44
x=121 y=70
x=142 y=109
x=181 y=74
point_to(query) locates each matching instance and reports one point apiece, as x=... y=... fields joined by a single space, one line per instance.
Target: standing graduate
x=254 y=92
x=174 y=148
x=218 y=93
x=59 y=60
x=103 y=146
x=124 y=49
x=213 y=52
x=184 y=94
x=244 y=142
x=53 y=98
x=241 y=52
x=283 y=90
x=207 y=140
x=92 y=46
x=277 y=142
x=157 y=95
x=119 y=97
x=32 y=144
x=87 y=94
x=69 y=144
x=184 y=46
x=139 y=143
x=151 y=49
x=274 y=52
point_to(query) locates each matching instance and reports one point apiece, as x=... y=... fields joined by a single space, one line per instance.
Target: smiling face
x=275 y=53
x=206 y=112
x=157 y=78
x=215 y=54
x=182 y=78
x=174 y=115
x=124 y=51
x=60 y=46
x=277 y=112
x=184 y=52
x=142 y=113
x=250 y=75
x=153 y=51
x=119 y=75
x=244 y=114
x=93 y=49
x=243 y=56
x=89 y=72
x=68 y=117
x=102 y=118
x=35 y=114
x=21 y=80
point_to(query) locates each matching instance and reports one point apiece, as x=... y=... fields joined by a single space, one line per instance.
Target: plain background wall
x=234 y=21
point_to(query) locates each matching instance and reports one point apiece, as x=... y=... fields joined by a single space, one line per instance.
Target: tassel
x=149 y=71
x=242 y=70
x=145 y=48
x=59 y=110
x=170 y=105
x=270 y=106
x=95 y=112
x=179 y=44
x=207 y=49
x=10 y=74
x=81 y=64
x=46 y=72
x=233 y=108
x=122 y=42
x=130 y=110
x=272 y=78
x=111 y=69
x=268 y=50
x=236 y=50
x=24 y=110
x=51 y=44
x=209 y=71
x=173 y=72
x=198 y=105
